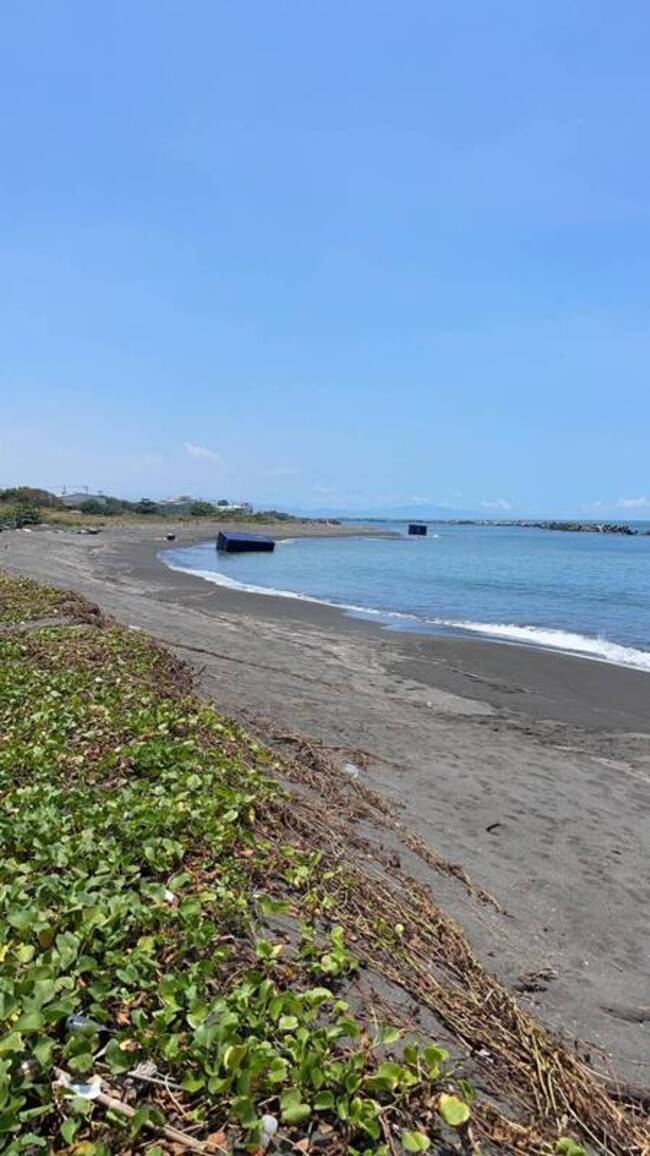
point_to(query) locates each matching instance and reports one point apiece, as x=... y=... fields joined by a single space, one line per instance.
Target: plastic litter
x=269 y=1128
x=87 y=1090
x=79 y=1023
x=352 y=770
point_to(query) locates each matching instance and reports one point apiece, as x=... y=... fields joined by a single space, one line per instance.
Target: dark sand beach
x=528 y=769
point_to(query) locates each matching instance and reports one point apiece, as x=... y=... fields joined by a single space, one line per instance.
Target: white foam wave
x=579 y=645
x=220 y=579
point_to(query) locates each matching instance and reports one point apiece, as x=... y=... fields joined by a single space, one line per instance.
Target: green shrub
x=93 y=506
x=202 y=509
x=145 y=506
x=20 y=514
x=30 y=495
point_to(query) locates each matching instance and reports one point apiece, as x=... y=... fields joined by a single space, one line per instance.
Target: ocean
x=588 y=594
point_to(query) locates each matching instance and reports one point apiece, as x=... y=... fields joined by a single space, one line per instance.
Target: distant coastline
x=527 y=524
x=567 y=527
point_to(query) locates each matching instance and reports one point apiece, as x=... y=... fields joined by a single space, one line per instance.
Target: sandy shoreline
x=530 y=769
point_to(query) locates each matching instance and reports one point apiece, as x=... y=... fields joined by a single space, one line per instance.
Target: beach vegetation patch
x=194 y=957
x=144 y=988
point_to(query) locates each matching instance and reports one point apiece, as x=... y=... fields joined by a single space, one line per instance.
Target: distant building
x=240 y=507
x=183 y=502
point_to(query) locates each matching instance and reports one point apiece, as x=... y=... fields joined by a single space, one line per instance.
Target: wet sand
x=530 y=769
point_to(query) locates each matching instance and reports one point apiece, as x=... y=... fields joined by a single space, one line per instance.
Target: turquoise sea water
x=584 y=593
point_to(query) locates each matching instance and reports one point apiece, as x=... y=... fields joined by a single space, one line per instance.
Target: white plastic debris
x=269 y=1128
x=352 y=770
x=145 y=1070
x=169 y=897
x=81 y=1023
x=89 y=1090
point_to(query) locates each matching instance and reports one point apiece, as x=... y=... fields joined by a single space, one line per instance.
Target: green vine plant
x=141 y=996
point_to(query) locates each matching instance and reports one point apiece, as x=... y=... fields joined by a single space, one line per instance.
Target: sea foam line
x=540 y=637
x=220 y=579
x=580 y=645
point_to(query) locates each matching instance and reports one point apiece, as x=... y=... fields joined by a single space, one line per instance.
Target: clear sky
x=328 y=252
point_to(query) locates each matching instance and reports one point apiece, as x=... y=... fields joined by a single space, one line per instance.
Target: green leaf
x=317 y=995
x=11 y=1043
x=193 y=1083
x=233 y=1056
x=435 y=1058
x=467 y=1092
x=415 y=1142
x=44 y=991
x=21 y=919
x=31 y=1021
x=389 y=1035
x=288 y=1023
x=205 y=1035
x=117 y=1060
x=324 y=1101
x=296 y=1113
x=142 y=1117
x=277 y=1071
x=197 y=1014
x=567 y=1147
x=269 y=906
x=42 y=1052
x=82 y=1063
x=348 y=1027
x=244 y=1109
x=453 y=1110
x=69 y=1129
x=388 y=1074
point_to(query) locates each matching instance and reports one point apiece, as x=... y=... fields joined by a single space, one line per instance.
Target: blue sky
x=325 y=253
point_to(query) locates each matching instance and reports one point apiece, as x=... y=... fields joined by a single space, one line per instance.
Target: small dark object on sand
x=170 y=537
x=535 y=981
x=630 y=1015
x=417 y=529
x=244 y=543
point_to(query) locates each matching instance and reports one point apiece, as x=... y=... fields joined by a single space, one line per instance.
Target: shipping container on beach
x=244 y=543
x=417 y=529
